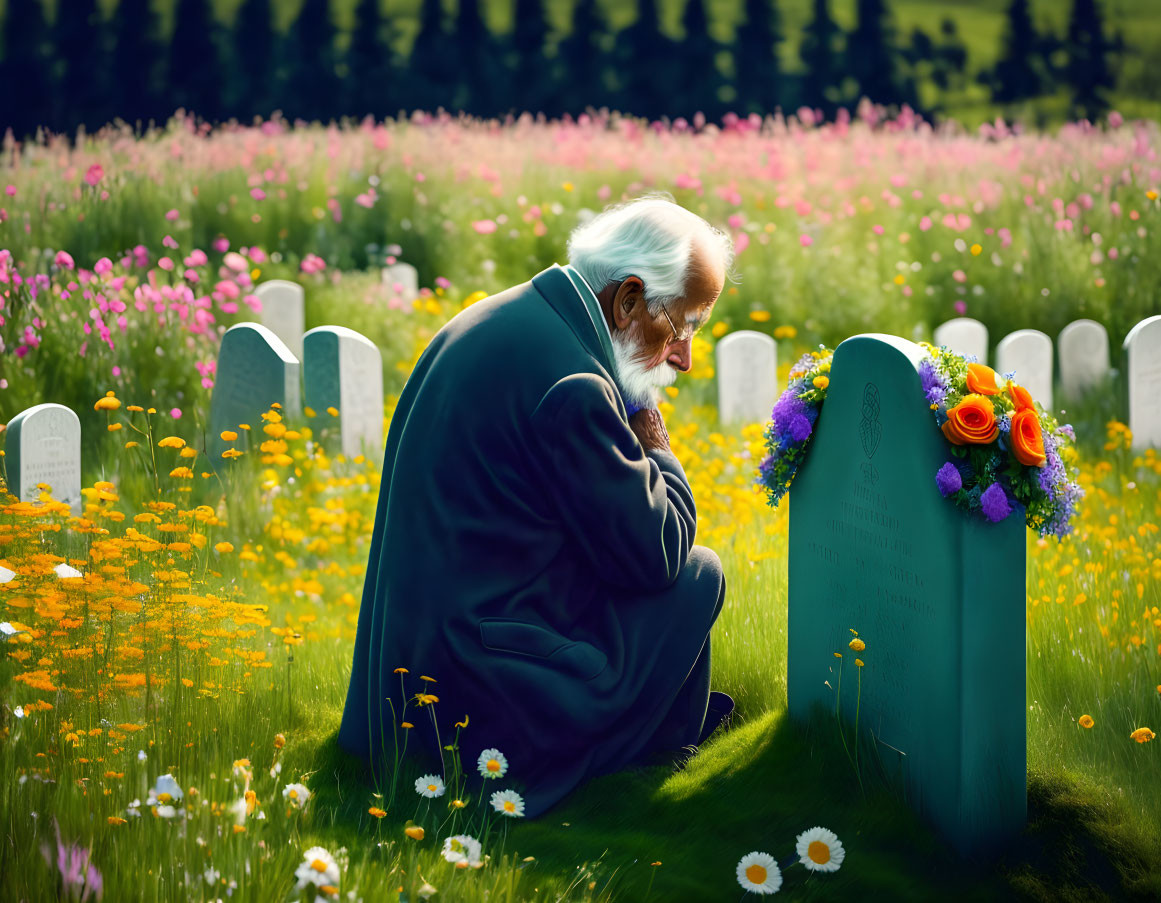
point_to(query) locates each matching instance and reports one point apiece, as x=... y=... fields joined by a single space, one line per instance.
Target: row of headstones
x=341 y=369
x=747 y=364
x=284 y=303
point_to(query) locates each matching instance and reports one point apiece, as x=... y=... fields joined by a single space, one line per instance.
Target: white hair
x=650 y=237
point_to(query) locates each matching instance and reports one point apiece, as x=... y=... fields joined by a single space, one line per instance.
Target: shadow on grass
x=757 y=787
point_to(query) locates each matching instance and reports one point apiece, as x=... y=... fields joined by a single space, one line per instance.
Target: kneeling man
x=533 y=542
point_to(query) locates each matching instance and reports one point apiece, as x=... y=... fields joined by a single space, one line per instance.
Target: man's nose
x=682 y=356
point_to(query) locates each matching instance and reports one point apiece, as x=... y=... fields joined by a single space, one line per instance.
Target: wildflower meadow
x=174 y=660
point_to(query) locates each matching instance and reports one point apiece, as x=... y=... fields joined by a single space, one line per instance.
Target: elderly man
x=533 y=543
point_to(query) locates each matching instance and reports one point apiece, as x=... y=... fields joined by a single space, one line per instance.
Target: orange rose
x=1027 y=440
x=971 y=422
x=1021 y=397
x=982 y=380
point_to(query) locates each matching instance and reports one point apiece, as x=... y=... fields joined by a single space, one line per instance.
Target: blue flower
x=948 y=480
x=994 y=503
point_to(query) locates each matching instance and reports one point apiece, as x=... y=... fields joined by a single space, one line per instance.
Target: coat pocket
x=580 y=659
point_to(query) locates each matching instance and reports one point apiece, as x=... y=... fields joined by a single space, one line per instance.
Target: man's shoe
x=718 y=712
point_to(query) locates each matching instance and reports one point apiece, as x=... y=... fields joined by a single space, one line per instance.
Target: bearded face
x=637 y=379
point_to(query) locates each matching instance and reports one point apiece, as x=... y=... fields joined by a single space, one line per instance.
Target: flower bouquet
x=1005 y=452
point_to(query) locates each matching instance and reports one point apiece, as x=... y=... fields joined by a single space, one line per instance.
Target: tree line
x=85 y=69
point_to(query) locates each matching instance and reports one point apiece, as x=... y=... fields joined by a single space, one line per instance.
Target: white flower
x=6 y=574
x=430 y=785
x=425 y=891
x=820 y=850
x=6 y=628
x=319 y=868
x=296 y=795
x=211 y=875
x=758 y=873
x=492 y=763
x=276 y=769
x=462 y=848
x=166 y=790
x=167 y=811
x=238 y=810
x=18 y=711
x=141 y=757
x=65 y=571
x=508 y=802
x=134 y=809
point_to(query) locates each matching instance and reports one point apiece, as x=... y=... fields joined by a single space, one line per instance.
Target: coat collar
x=577 y=309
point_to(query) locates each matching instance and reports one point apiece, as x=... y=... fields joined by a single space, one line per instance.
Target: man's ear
x=630 y=295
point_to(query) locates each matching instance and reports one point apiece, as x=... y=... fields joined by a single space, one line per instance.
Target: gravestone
x=747 y=365
x=401 y=279
x=937 y=595
x=344 y=369
x=1083 y=350
x=963 y=335
x=1028 y=354
x=255 y=369
x=284 y=311
x=1142 y=351
x=43 y=445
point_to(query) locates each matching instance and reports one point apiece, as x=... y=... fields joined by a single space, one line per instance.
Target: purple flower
x=933 y=382
x=800 y=428
x=948 y=480
x=994 y=503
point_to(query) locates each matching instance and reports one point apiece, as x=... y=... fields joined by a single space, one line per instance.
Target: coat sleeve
x=631 y=511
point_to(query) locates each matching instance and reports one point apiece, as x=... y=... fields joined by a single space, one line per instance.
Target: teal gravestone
x=936 y=594
x=255 y=369
x=344 y=369
x=43 y=445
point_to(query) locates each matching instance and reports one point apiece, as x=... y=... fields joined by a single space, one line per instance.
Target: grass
x=1093 y=795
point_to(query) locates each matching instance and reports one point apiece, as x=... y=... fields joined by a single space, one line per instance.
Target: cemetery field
x=197 y=620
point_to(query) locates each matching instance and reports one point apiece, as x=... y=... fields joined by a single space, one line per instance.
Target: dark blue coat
x=523 y=553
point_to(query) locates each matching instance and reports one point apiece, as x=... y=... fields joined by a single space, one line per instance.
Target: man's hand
x=649 y=428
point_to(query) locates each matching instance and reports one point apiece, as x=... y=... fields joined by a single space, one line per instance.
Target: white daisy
x=462 y=848
x=65 y=571
x=492 y=763
x=430 y=785
x=758 y=873
x=296 y=795
x=167 y=790
x=319 y=868
x=133 y=810
x=508 y=802
x=820 y=850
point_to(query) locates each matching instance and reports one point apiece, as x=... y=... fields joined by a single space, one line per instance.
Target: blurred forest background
x=68 y=63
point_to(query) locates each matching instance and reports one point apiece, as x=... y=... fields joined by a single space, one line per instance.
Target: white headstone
x=747 y=365
x=344 y=370
x=402 y=280
x=255 y=369
x=43 y=445
x=963 y=335
x=1143 y=370
x=284 y=311
x=1083 y=350
x=1028 y=354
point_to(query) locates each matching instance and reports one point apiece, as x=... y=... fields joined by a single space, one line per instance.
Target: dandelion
x=858 y=663
x=1142 y=735
x=1086 y=721
x=461 y=848
x=377 y=812
x=319 y=868
x=492 y=764
x=296 y=795
x=508 y=802
x=820 y=850
x=857 y=645
x=279 y=739
x=758 y=873
x=171 y=442
x=415 y=832
x=430 y=785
